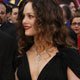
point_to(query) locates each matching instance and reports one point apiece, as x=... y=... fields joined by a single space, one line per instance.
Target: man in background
x=5 y=25
x=7 y=50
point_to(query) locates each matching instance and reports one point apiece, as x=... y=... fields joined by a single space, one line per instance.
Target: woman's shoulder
x=71 y=58
x=69 y=51
x=70 y=55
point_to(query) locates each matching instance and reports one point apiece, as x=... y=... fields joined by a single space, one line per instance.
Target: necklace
x=38 y=57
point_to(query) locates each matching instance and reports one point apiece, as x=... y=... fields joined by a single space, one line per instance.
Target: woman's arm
x=16 y=78
x=71 y=75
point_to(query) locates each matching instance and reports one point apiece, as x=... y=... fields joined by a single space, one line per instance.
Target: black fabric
x=56 y=68
x=9 y=28
x=73 y=35
x=7 y=50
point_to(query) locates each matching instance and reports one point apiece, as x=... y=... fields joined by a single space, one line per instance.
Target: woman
x=67 y=16
x=46 y=49
x=75 y=25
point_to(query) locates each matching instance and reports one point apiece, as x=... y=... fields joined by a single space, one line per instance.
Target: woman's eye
x=31 y=16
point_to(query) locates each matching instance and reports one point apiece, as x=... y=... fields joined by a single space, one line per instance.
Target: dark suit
x=9 y=28
x=73 y=36
x=7 y=50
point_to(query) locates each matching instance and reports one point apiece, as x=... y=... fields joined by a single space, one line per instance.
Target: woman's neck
x=42 y=45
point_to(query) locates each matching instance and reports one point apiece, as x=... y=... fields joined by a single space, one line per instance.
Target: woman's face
x=72 y=8
x=14 y=15
x=76 y=25
x=29 y=20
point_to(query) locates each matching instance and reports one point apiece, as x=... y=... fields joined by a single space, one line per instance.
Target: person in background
x=67 y=16
x=14 y=14
x=9 y=10
x=3 y=12
x=7 y=50
x=72 y=7
x=75 y=25
x=6 y=26
x=69 y=3
x=46 y=50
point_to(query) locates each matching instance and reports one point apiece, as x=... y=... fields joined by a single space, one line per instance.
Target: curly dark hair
x=49 y=22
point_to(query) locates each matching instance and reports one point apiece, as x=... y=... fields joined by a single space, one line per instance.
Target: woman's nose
x=25 y=20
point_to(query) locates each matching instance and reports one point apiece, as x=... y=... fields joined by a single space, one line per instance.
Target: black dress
x=55 y=69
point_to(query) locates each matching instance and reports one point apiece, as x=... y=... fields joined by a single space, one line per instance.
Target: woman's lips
x=27 y=27
x=77 y=29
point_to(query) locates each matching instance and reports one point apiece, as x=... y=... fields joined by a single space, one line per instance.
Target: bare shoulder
x=71 y=75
